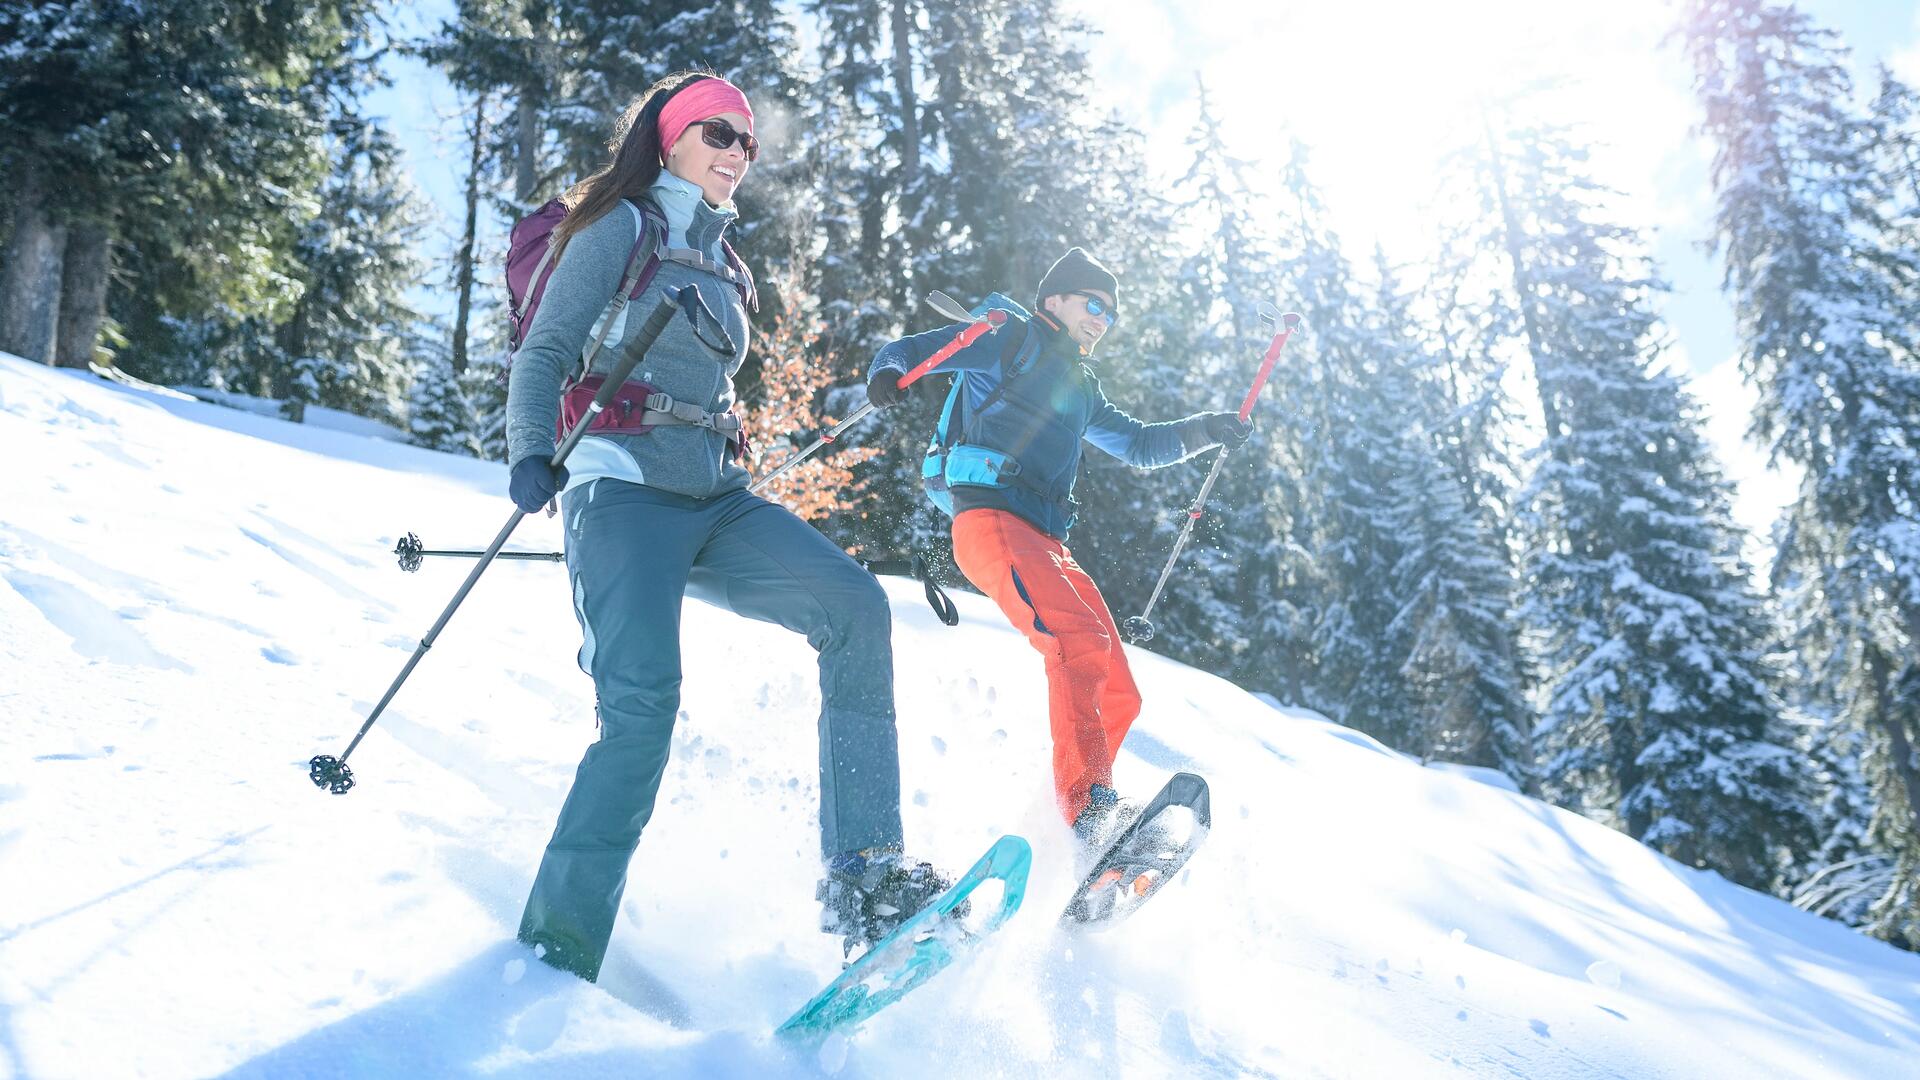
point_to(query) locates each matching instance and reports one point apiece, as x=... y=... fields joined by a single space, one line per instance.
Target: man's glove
x=884 y=389
x=1226 y=428
x=534 y=482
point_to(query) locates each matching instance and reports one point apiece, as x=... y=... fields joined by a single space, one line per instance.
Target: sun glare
x=1382 y=90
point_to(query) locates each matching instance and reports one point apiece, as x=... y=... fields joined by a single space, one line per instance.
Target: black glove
x=534 y=483
x=1226 y=428
x=884 y=389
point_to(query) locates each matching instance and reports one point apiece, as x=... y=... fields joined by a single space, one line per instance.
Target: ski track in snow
x=98 y=632
x=171 y=652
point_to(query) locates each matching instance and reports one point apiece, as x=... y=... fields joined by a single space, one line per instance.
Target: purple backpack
x=530 y=263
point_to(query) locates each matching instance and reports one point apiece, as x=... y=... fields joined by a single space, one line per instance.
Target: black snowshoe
x=1107 y=816
x=1132 y=851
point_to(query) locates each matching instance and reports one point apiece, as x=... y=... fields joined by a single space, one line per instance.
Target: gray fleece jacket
x=684 y=363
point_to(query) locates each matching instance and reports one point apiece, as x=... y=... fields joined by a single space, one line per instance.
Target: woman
x=656 y=507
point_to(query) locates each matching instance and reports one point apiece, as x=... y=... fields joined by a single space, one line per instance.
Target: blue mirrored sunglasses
x=1099 y=308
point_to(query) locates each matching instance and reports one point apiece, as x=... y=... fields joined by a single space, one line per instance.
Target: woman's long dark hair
x=636 y=154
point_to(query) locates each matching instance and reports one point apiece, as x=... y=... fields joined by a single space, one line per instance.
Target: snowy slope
x=194 y=600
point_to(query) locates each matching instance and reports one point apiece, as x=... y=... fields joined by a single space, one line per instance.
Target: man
x=1004 y=465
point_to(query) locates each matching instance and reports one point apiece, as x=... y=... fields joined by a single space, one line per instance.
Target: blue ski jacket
x=1048 y=402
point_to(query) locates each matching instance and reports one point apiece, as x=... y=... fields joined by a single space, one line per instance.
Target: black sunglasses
x=719 y=134
x=1099 y=308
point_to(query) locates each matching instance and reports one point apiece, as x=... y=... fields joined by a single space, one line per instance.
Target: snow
x=316 y=415
x=1478 y=773
x=194 y=600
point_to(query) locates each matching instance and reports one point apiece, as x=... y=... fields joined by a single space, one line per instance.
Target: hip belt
x=638 y=408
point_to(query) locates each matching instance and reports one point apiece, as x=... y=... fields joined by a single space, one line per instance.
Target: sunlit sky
x=1380 y=90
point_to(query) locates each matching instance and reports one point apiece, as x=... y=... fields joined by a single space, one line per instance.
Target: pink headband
x=700 y=100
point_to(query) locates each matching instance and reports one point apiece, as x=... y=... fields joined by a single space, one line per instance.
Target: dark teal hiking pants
x=632 y=553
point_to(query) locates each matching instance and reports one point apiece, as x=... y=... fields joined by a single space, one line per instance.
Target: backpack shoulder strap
x=1023 y=361
x=649 y=243
x=642 y=263
x=653 y=217
x=943 y=431
x=537 y=283
x=1023 y=358
x=749 y=293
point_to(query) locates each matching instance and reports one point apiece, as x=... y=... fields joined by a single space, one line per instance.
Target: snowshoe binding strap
x=920 y=569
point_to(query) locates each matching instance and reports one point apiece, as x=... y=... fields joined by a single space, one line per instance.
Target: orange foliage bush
x=798 y=362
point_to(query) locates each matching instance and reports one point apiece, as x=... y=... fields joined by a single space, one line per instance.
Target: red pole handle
x=1266 y=366
x=960 y=341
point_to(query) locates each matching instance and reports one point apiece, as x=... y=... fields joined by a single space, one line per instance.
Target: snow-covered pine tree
x=97 y=134
x=1454 y=580
x=1817 y=285
x=439 y=417
x=353 y=336
x=466 y=254
x=1660 y=707
x=1850 y=872
x=988 y=105
x=1338 y=553
x=1847 y=873
x=864 y=121
x=1382 y=592
x=507 y=52
x=876 y=176
x=1190 y=340
x=516 y=52
x=1009 y=112
x=1893 y=149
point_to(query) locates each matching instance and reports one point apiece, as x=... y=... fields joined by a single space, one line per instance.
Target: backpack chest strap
x=700 y=261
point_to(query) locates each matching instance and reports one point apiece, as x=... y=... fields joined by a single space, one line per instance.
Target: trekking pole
x=941 y=302
x=1138 y=628
x=412 y=551
x=331 y=773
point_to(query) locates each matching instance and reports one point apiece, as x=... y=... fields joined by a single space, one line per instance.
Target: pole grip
x=1140 y=624
x=964 y=338
x=1266 y=364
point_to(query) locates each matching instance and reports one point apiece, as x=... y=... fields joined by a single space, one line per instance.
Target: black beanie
x=1077 y=271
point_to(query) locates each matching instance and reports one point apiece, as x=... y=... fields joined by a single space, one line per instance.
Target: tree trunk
x=83 y=292
x=1523 y=288
x=903 y=91
x=1897 y=700
x=1906 y=766
x=30 y=277
x=464 y=260
x=531 y=92
x=527 y=173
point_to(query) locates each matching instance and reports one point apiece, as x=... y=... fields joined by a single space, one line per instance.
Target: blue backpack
x=950 y=460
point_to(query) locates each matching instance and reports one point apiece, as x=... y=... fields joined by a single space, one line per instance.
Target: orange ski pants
x=1091 y=696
